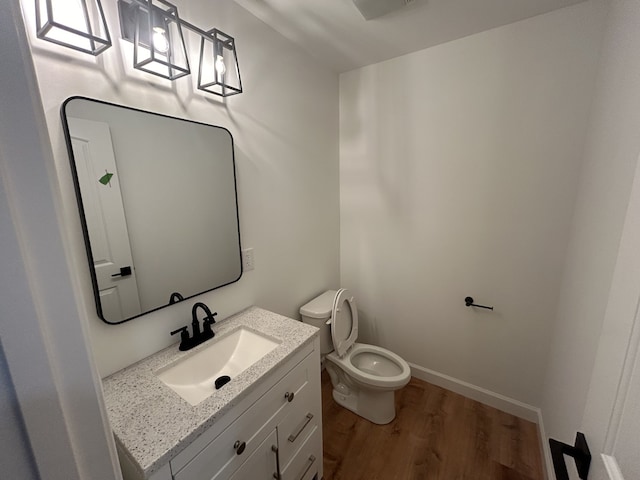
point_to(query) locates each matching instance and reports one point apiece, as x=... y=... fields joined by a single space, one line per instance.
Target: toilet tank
x=317 y=312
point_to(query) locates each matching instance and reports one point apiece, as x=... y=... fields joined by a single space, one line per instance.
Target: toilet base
x=376 y=406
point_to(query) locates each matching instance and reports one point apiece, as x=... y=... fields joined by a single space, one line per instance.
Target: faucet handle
x=181 y=329
x=207 y=322
x=184 y=337
x=209 y=319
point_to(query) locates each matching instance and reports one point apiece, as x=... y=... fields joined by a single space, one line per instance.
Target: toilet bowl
x=364 y=377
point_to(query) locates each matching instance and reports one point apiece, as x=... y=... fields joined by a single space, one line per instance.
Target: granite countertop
x=154 y=423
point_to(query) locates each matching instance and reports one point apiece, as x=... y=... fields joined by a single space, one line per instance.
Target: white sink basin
x=193 y=377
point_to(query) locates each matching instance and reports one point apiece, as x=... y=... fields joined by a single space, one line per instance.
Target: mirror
x=158 y=204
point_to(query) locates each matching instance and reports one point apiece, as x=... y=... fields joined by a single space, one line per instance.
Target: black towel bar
x=468 y=301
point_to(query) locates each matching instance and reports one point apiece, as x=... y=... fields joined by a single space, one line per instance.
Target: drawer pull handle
x=239 y=447
x=274 y=449
x=292 y=438
x=309 y=463
x=289 y=396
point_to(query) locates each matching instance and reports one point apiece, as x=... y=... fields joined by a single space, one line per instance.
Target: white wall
x=43 y=339
x=16 y=456
x=458 y=172
x=610 y=159
x=287 y=168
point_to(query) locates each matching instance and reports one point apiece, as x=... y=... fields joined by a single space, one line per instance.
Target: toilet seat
x=391 y=381
x=344 y=322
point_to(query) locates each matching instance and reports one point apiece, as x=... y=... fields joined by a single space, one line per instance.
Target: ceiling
x=336 y=33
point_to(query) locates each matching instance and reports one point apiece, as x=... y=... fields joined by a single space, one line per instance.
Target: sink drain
x=222 y=381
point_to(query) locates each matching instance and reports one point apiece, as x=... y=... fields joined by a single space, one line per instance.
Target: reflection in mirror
x=158 y=204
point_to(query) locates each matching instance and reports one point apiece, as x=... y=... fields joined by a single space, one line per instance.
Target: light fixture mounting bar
x=127 y=9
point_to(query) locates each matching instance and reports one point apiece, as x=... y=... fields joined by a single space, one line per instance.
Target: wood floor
x=436 y=435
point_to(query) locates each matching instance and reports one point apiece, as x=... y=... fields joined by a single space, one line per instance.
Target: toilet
x=364 y=377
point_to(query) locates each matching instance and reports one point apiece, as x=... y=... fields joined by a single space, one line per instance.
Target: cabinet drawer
x=301 y=419
x=226 y=453
x=294 y=389
x=220 y=458
x=306 y=463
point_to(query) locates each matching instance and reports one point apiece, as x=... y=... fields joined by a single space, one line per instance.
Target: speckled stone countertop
x=154 y=423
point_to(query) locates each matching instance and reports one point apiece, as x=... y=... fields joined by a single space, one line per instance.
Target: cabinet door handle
x=309 y=463
x=274 y=449
x=239 y=447
x=292 y=438
x=289 y=396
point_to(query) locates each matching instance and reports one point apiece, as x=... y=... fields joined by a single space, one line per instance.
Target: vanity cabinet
x=275 y=432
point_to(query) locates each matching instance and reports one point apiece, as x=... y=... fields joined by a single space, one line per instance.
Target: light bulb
x=220 y=66
x=160 y=42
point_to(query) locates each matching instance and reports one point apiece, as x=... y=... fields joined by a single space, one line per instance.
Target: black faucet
x=187 y=342
x=175 y=298
x=207 y=321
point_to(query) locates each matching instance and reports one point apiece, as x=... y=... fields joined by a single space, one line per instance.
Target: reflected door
x=105 y=219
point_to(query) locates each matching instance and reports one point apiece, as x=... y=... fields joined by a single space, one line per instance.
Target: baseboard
x=613 y=470
x=479 y=394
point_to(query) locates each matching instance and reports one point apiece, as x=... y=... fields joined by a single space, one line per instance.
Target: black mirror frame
x=81 y=210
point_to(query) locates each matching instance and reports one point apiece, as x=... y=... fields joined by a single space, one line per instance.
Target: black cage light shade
x=77 y=24
x=158 y=44
x=219 y=72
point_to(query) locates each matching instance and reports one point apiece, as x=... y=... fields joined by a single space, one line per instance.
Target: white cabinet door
x=261 y=465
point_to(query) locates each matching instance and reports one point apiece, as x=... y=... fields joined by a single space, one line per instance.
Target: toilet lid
x=344 y=321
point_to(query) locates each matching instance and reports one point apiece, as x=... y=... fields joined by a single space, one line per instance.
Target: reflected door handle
x=124 y=272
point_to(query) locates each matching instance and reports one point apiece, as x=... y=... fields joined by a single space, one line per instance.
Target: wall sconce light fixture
x=219 y=73
x=77 y=24
x=158 y=43
x=155 y=29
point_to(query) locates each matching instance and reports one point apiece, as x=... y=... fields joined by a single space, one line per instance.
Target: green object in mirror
x=106 y=178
